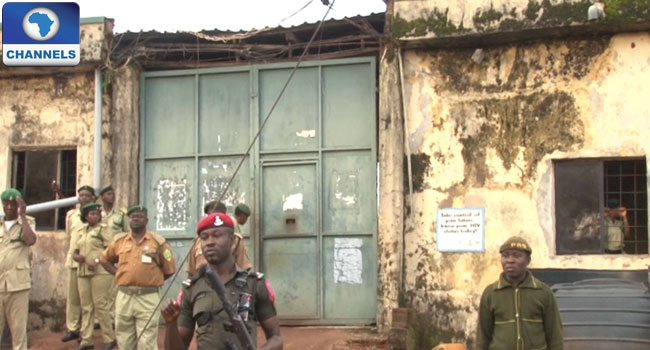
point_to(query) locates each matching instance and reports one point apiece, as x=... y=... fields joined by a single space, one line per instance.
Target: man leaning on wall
x=518 y=312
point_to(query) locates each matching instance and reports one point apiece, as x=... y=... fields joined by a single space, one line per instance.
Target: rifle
x=238 y=325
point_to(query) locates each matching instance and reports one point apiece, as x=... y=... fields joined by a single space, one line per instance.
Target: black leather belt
x=137 y=290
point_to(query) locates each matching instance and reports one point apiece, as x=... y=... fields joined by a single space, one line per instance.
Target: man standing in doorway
x=144 y=261
x=518 y=312
x=16 y=236
x=74 y=227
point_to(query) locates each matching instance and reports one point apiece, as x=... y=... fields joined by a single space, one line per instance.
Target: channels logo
x=40 y=34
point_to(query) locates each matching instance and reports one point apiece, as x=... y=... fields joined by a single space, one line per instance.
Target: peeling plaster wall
x=39 y=113
x=40 y=110
x=485 y=135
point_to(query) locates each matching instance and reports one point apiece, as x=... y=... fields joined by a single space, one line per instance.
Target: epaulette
x=103 y=225
x=187 y=283
x=30 y=219
x=160 y=239
x=120 y=236
x=123 y=211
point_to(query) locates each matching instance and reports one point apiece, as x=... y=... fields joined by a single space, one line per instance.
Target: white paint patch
x=171 y=204
x=348 y=260
x=204 y=171
x=348 y=201
x=306 y=133
x=292 y=202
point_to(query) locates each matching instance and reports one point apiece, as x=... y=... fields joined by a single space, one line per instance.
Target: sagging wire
x=241 y=162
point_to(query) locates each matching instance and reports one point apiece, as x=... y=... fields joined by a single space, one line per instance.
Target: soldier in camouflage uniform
x=201 y=309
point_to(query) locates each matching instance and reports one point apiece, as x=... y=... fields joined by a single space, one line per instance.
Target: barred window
x=33 y=172
x=585 y=189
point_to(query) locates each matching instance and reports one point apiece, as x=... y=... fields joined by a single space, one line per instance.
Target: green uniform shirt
x=91 y=243
x=202 y=309
x=525 y=317
x=14 y=257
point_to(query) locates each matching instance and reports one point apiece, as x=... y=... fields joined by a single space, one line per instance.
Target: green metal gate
x=310 y=178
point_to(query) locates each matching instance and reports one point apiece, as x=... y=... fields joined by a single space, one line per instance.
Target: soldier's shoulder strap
x=30 y=219
x=123 y=211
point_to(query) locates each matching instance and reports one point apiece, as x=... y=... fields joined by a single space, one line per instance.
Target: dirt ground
x=295 y=338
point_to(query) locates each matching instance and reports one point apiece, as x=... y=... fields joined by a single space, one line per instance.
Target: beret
x=136 y=208
x=517 y=243
x=106 y=189
x=86 y=188
x=87 y=208
x=10 y=194
x=214 y=220
x=243 y=208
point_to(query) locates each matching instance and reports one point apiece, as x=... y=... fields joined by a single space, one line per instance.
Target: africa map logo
x=40 y=34
x=41 y=24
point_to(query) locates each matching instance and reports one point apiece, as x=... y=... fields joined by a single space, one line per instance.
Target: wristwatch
x=97 y=260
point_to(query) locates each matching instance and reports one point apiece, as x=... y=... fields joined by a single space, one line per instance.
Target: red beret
x=214 y=220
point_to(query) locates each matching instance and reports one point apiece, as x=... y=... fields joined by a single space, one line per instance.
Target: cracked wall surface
x=485 y=135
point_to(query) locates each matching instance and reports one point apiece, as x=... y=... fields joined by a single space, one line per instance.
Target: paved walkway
x=295 y=338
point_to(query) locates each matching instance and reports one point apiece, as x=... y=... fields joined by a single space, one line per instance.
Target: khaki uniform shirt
x=73 y=227
x=116 y=221
x=91 y=244
x=522 y=317
x=14 y=257
x=140 y=264
x=201 y=308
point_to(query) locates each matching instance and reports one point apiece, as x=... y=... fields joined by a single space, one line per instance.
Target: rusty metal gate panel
x=310 y=179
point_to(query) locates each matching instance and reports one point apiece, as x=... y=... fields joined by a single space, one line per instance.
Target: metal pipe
x=59 y=203
x=98 y=129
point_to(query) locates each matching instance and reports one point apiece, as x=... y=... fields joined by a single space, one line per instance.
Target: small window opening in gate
x=599 y=203
x=290 y=221
x=32 y=174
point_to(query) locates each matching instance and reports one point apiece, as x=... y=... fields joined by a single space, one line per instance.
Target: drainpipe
x=98 y=129
x=61 y=203
x=407 y=148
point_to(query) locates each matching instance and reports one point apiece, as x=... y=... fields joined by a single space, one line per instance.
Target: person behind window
x=617 y=226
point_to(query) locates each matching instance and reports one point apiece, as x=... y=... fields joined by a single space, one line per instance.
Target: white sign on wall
x=461 y=230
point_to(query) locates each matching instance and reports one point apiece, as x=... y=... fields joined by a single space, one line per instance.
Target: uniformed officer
x=196 y=259
x=200 y=307
x=16 y=236
x=73 y=228
x=144 y=261
x=518 y=312
x=117 y=222
x=242 y=212
x=93 y=280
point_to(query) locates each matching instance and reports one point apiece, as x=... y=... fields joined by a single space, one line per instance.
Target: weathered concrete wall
x=45 y=108
x=39 y=113
x=485 y=134
x=431 y=18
